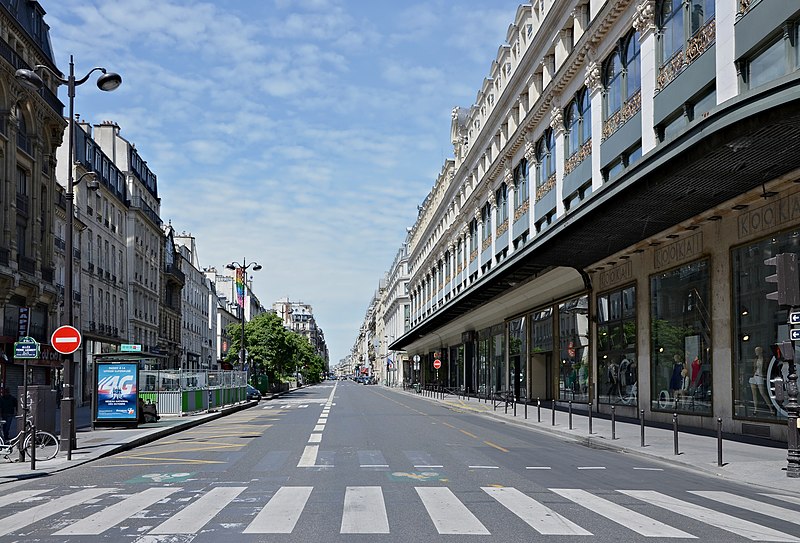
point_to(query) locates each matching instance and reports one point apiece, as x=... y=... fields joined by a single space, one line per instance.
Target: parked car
x=253 y=393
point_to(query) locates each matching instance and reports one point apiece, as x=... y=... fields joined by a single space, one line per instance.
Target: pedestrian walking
x=8 y=410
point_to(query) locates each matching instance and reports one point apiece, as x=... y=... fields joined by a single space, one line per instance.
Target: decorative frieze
x=502 y=228
x=630 y=108
x=545 y=187
x=644 y=20
x=486 y=244
x=594 y=77
x=557 y=120
x=473 y=255
x=459 y=268
x=521 y=210
x=578 y=156
x=695 y=47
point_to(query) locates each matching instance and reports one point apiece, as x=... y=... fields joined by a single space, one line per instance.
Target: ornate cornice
x=594 y=77
x=557 y=120
x=644 y=19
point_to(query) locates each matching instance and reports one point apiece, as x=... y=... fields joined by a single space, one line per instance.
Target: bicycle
x=46 y=443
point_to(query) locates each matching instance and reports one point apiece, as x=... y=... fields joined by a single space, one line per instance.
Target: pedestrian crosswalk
x=158 y=511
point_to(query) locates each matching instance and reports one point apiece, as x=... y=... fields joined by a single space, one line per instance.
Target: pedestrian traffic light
x=785 y=278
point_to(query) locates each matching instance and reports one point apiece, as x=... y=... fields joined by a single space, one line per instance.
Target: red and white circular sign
x=437 y=364
x=66 y=339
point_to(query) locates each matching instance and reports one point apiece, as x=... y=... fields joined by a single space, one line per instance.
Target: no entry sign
x=66 y=339
x=437 y=364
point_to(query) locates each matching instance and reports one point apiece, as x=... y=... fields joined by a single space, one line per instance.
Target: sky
x=298 y=134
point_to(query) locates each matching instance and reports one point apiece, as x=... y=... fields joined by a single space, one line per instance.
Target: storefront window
x=484 y=352
x=541 y=354
x=574 y=371
x=498 y=348
x=517 y=348
x=759 y=323
x=680 y=317
x=616 y=347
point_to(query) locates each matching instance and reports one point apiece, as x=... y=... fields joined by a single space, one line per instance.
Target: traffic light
x=783 y=351
x=785 y=278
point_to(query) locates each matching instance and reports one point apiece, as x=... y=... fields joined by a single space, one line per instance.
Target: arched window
x=622 y=73
x=573 y=118
x=670 y=23
x=579 y=122
x=486 y=215
x=520 y=183
x=550 y=144
x=613 y=84
x=541 y=156
x=633 y=66
x=501 y=196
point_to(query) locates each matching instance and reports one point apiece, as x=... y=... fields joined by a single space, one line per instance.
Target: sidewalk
x=742 y=462
x=102 y=442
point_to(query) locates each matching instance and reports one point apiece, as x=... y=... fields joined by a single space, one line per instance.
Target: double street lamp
x=242 y=269
x=109 y=81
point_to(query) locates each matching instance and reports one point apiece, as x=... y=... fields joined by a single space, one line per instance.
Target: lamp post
x=109 y=81
x=243 y=267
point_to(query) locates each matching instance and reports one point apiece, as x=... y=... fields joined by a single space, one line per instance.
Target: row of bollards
x=439 y=392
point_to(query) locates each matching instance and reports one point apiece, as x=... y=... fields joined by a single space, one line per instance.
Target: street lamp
x=106 y=82
x=242 y=268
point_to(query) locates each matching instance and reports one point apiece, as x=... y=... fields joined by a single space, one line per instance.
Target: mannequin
x=676 y=381
x=757 y=382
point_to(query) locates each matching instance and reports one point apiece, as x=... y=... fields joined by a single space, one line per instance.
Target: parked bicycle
x=46 y=443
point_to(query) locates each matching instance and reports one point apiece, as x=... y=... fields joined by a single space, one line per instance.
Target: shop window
x=680 y=341
x=517 y=348
x=759 y=380
x=617 y=368
x=574 y=364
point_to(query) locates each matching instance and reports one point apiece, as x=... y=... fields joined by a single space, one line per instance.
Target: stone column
x=493 y=228
x=530 y=157
x=511 y=191
x=594 y=84
x=479 y=245
x=557 y=124
x=644 y=22
x=727 y=76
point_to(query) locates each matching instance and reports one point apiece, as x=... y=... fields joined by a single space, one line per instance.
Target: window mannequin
x=758 y=385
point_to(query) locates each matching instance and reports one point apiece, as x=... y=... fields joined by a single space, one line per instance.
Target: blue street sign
x=794 y=334
x=26 y=348
x=794 y=317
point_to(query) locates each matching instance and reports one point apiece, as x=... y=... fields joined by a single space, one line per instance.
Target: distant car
x=253 y=393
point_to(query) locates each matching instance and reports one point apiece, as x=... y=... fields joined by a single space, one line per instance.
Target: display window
x=759 y=379
x=574 y=366
x=517 y=348
x=680 y=339
x=617 y=365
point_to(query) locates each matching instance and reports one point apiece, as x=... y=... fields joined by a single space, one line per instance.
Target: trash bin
x=42 y=401
x=416 y=388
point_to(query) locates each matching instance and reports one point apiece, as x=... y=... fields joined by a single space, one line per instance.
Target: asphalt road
x=348 y=462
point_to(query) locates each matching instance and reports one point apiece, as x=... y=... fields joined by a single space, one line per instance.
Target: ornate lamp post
x=109 y=81
x=242 y=268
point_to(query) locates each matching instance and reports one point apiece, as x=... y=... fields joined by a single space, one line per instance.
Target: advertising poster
x=117 y=387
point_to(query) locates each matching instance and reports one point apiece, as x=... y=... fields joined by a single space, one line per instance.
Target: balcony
x=16 y=61
x=76 y=296
x=48 y=274
x=26 y=265
x=176 y=273
x=60 y=244
x=90 y=267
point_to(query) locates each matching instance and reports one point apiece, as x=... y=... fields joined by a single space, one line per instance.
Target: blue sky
x=301 y=134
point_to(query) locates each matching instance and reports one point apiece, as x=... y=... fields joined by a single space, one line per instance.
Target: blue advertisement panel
x=117 y=387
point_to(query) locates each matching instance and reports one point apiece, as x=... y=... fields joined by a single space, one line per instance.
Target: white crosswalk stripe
x=36 y=514
x=114 y=514
x=281 y=513
x=539 y=517
x=193 y=517
x=744 y=528
x=448 y=514
x=364 y=510
x=637 y=522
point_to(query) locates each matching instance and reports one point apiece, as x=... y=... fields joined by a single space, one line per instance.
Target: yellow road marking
x=174 y=460
x=467 y=433
x=449 y=425
x=498 y=447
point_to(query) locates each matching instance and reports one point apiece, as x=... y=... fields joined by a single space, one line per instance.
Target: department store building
x=599 y=235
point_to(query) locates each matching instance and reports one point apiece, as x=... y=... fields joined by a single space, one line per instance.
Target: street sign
x=130 y=348
x=416 y=358
x=66 y=339
x=26 y=348
x=437 y=364
x=794 y=334
x=794 y=317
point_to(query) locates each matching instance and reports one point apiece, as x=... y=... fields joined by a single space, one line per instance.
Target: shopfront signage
x=794 y=317
x=686 y=249
x=130 y=348
x=769 y=217
x=23 y=322
x=616 y=275
x=794 y=334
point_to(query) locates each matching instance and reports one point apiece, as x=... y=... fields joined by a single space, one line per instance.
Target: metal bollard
x=538 y=410
x=553 y=407
x=719 y=442
x=590 y=418
x=515 y=406
x=675 y=431
x=33 y=447
x=641 y=422
x=570 y=414
x=526 y=406
x=613 y=424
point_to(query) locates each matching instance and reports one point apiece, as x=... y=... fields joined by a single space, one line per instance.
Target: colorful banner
x=240 y=286
x=117 y=387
